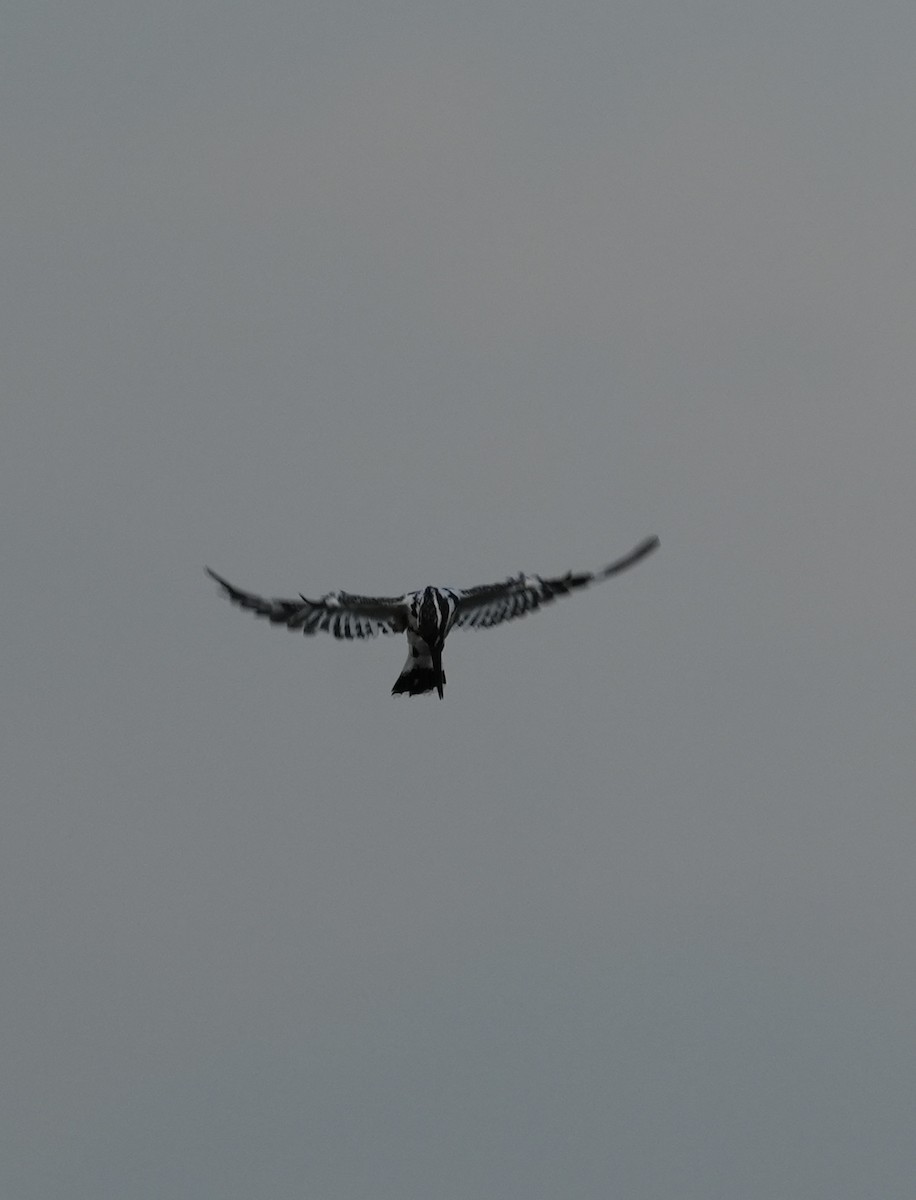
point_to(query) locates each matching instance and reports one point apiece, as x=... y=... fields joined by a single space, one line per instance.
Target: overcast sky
x=369 y=296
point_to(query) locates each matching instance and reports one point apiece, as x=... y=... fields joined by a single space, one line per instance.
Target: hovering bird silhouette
x=426 y=616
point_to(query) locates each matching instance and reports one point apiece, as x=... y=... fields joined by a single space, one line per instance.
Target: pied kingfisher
x=426 y=616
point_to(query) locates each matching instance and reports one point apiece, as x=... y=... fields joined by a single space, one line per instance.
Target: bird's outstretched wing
x=340 y=613
x=493 y=603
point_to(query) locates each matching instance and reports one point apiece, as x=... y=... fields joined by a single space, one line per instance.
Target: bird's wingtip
x=647 y=546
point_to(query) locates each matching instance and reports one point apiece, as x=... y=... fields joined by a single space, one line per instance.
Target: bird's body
x=427 y=616
x=430 y=614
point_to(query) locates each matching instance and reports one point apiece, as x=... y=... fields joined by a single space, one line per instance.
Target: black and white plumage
x=426 y=616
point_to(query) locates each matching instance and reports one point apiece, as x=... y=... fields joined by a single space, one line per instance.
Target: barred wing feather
x=340 y=613
x=493 y=603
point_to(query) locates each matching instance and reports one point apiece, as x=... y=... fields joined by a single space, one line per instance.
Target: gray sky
x=373 y=296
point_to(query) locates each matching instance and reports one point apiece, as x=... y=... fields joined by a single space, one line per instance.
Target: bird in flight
x=427 y=616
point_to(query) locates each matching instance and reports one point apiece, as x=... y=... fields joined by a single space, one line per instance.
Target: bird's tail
x=421 y=673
